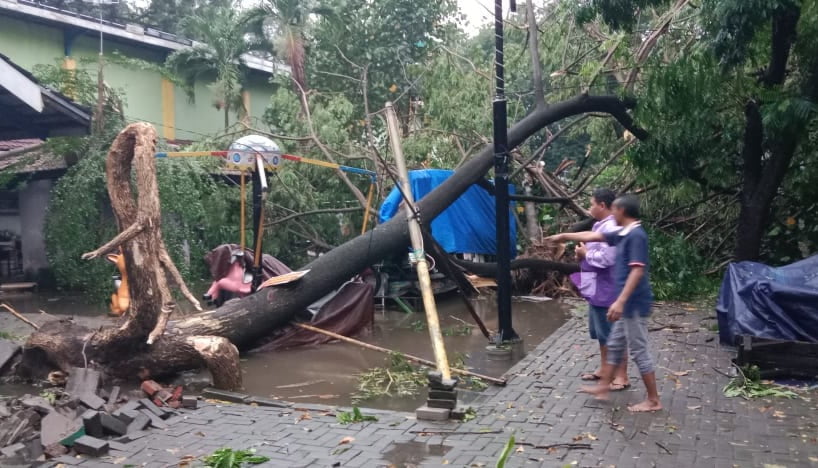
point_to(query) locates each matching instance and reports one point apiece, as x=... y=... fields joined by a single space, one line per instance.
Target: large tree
x=218 y=58
x=283 y=24
x=734 y=113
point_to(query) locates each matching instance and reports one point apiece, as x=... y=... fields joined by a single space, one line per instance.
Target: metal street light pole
x=501 y=154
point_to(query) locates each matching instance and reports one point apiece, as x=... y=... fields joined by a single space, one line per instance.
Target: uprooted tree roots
x=149 y=267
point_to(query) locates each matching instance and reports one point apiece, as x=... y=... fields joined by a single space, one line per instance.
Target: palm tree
x=225 y=42
x=283 y=23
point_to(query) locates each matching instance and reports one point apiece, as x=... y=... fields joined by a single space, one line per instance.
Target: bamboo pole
x=19 y=316
x=243 y=211
x=368 y=204
x=409 y=357
x=418 y=256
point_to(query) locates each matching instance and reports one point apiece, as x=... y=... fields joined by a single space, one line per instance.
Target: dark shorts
x=598 y=324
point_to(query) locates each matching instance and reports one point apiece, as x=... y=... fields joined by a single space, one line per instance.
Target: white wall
x=34 y=199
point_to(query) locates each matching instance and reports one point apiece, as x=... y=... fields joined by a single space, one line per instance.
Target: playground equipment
x=257 y=155
x=121 y=299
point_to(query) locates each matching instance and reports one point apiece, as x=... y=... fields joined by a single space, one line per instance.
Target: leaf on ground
x=779 y=414
x=618 y=427
x=520 y=449
x=346 y=440
x=304 y=416
x=682 y=373
x=694 y=408
x=590 y=436
x=577 y=438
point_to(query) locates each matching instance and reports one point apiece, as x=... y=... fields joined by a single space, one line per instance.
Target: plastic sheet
x=767 y=302
x=466 y=226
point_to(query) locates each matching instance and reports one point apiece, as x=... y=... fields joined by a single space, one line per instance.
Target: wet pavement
x=699 y=427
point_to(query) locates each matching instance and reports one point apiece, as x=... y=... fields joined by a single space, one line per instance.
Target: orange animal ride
x=121 y=299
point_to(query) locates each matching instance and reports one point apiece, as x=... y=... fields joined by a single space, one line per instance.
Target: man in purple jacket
x=596 y=284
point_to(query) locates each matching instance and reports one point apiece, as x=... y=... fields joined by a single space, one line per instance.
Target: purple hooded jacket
x=595 y=280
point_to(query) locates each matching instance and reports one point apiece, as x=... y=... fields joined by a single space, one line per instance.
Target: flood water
x=327 y=373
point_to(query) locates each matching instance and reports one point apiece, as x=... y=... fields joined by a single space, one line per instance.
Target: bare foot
x=618 y=386
x=600 y=392
x=646 y=406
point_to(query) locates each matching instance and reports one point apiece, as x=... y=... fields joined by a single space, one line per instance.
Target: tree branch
x=536 y=63
x=313 y=212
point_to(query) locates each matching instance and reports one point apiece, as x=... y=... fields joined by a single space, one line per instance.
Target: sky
x=479 y=12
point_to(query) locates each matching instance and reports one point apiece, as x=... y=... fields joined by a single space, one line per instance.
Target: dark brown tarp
x=349 y=312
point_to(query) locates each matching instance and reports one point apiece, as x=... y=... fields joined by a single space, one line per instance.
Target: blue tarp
x=467 y=225
x=776 y=303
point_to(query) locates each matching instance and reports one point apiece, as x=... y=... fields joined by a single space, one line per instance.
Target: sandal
x=619 y=387
x=590 y=377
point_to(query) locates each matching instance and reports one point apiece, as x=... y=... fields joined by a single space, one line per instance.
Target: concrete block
x=224 y=395
x=155 y=420
x=448 y=404
x=114 y=395
x=92 y=422
x=131 y=405
x=425 y=413
x=13 y=450
x=437 y=382
x=8 y=349
x=38 y=404
x=127 y=416
x=139 y=423
x=92 y=401
x=190 y=402
x=82 y=381
x=443 y=394
x=152 y=408
x=56 y=428
x=113 y=425
x=92 y=446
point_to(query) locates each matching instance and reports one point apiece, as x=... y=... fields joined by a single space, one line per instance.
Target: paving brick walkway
x=698 y=428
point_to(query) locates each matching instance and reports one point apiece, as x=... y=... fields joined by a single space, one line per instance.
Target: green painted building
x=31 y=34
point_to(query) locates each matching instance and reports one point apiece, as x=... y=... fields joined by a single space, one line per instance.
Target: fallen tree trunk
x=243 y=322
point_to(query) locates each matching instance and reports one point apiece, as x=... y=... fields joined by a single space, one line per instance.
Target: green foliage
x=386 y=37
x=399 y=379
x=676 y=269
x=618 y=14
x=229 y=458
x=354 y=416
x=197 y=210
x=49 y=395
x=220 y=58
x=501 y=462
x=748 y=384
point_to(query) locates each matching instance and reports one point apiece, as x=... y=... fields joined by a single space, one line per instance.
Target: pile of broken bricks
x=85 y=420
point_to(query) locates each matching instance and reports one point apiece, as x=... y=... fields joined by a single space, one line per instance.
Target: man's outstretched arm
x=587 y=236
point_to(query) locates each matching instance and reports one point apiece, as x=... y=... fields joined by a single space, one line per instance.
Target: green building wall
x=29 y=44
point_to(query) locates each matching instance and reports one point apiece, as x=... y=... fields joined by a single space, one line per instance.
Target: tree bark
x=243 y=322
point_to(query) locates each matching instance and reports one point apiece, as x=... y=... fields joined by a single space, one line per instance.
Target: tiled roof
x=9 y=145
x=37 y=160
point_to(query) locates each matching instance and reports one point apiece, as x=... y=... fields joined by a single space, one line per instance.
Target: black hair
x=604 y=196
x=629 y=204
